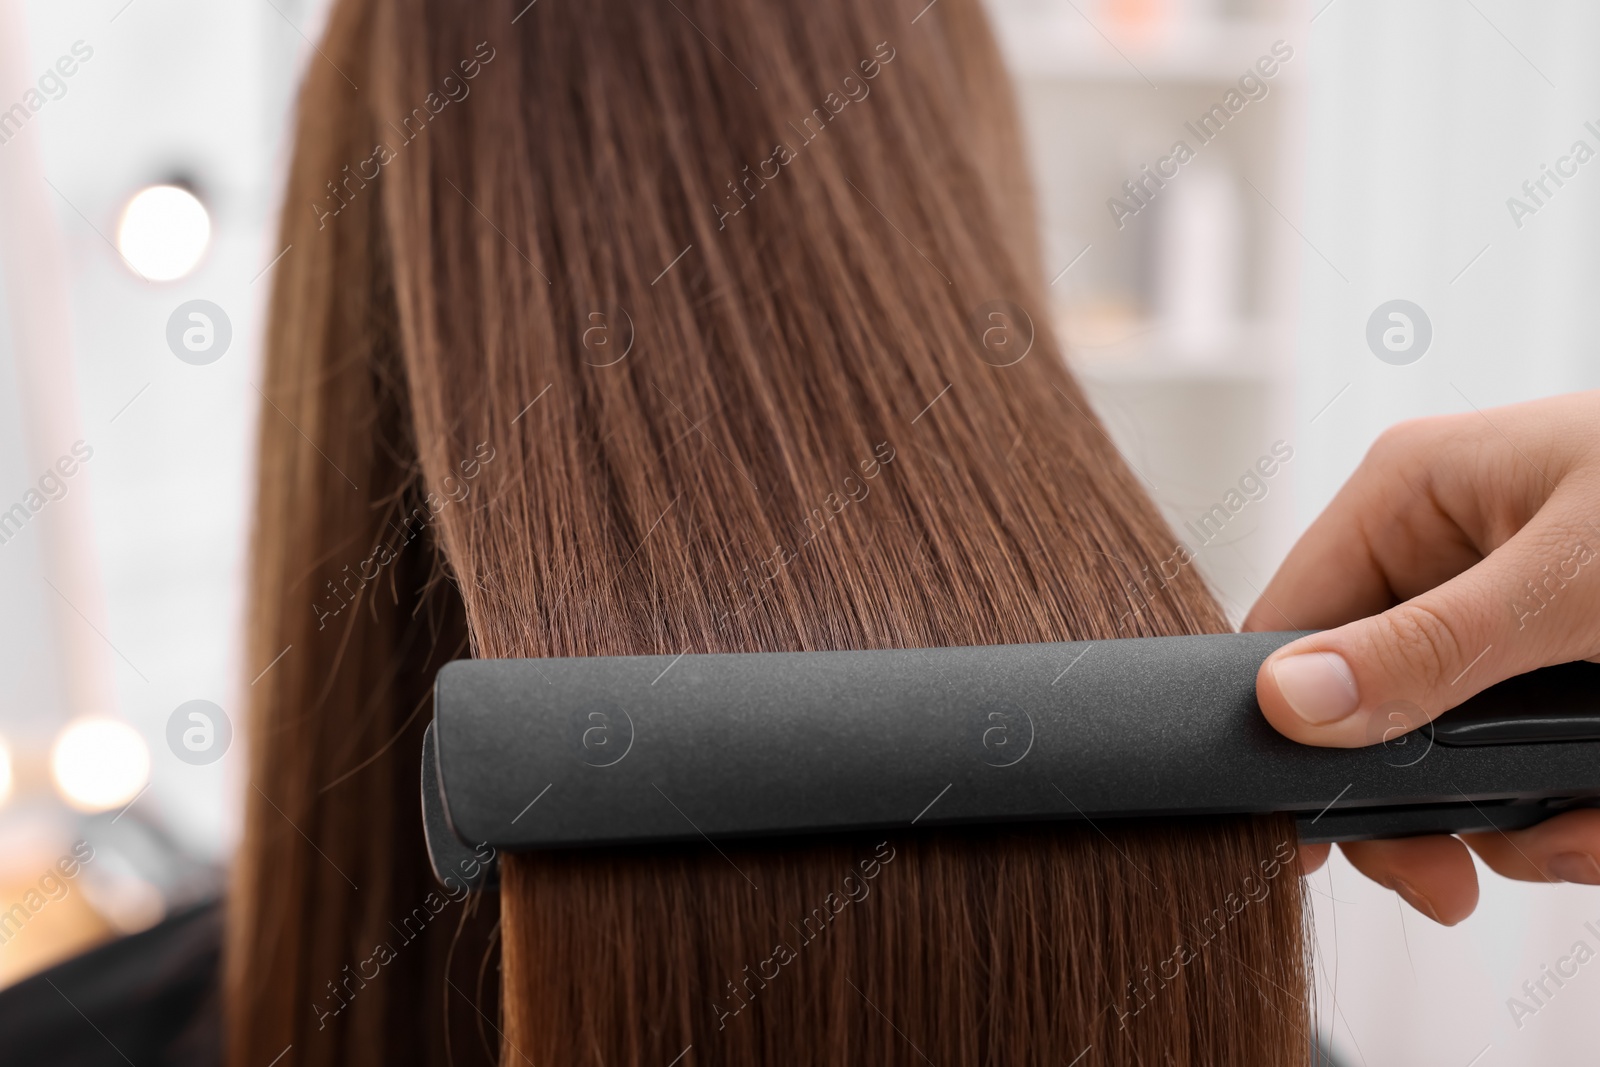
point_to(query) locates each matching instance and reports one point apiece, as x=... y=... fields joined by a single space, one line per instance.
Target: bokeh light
x=98 y=764
x=164 y=232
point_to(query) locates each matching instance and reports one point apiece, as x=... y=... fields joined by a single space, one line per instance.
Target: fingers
x=1312 y=857
x=1361 y=683
x=1565 y=848
x=1468 y=550
x=1391 y=531
x=1434 y=874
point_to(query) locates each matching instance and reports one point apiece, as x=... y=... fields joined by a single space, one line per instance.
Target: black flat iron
x=539 y=754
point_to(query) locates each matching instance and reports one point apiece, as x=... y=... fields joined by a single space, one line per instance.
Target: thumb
x=1533 y=602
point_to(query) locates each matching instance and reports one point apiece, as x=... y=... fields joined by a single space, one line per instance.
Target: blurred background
x=1272 y=229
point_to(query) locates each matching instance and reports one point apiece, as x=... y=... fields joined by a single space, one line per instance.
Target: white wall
x=1423 y=118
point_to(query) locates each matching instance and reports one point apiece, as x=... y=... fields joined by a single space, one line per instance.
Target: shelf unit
x=1062 y=43
x=1178 y=317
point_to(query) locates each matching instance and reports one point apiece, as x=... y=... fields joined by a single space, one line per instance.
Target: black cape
x=152 y=999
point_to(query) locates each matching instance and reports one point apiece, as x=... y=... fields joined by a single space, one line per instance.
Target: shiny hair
x=674 y=326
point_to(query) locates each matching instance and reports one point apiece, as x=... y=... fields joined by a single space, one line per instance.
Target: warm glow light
x=164 y=232
x=99 y=764
x=5 y=772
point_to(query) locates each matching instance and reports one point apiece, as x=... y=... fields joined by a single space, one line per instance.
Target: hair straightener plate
x=538 y=754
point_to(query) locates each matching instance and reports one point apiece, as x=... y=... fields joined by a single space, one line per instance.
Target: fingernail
x=1415 y=899
x=1574 y=867
x=1318 y=686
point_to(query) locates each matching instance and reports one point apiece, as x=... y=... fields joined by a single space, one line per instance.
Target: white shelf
x=1061 y=44
x=1253 y=357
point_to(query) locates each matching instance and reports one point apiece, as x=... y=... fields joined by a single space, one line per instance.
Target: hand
x=1468 y=549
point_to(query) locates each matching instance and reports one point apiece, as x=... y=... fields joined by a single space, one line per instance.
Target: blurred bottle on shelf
x=1199 y=246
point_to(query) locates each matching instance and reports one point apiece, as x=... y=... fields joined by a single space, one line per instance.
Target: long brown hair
x=697 y=326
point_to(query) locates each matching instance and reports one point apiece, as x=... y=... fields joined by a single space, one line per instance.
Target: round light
x=5 y=772
x=164 y=232
x=99 y=764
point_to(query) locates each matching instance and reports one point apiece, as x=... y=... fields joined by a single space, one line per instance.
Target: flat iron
x=542 y=754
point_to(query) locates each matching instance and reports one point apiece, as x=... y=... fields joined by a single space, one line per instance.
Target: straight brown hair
x=697 y=326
